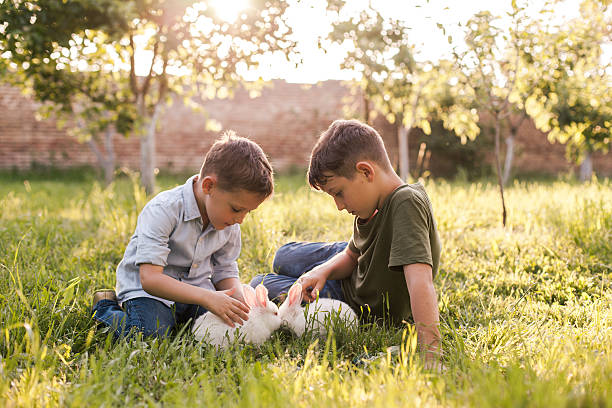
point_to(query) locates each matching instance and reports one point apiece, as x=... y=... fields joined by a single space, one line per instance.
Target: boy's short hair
x=238 y=163
x=341 y=147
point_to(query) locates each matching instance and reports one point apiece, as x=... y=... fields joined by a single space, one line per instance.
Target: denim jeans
x=294 y=259
x=145 y=315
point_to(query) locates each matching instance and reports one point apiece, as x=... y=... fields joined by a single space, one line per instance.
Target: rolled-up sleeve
x=224 y=260
x=153 y=230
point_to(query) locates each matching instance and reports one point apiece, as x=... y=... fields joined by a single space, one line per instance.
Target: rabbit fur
x=263 y=320
x=294 y=316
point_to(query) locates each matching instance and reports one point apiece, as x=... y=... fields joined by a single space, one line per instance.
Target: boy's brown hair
x=341 y=147
x=239 y=163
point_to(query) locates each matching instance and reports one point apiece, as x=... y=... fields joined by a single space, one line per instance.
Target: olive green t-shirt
x=402 y=232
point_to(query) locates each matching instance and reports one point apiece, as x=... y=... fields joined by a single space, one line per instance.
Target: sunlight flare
x=229 y=10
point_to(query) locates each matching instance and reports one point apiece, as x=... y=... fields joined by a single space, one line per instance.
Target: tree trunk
x=498 y=168
x=366 y=109
x=147 y=152
x=147 y=159
x=402 y=139
x=106 y=163
x=109 y=164
x=586 y=168
x=514 y=127
x=508 y=160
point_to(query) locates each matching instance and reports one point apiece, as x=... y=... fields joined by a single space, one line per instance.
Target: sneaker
x=107 y=294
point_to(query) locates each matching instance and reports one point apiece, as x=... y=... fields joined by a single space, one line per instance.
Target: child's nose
x=240 y=218
x=339 y=204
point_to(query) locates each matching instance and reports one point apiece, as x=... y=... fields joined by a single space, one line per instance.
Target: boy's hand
x=238 y=294
x=340 y=266
x=230 y=310
x=433 y=363
x=312 y=282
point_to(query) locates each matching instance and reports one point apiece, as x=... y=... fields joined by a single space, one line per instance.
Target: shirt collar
x=191 y=206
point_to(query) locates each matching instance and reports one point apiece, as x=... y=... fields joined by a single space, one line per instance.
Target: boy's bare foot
x=108 y=294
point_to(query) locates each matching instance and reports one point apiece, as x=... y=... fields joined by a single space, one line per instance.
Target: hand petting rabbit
x=293 y=316
x=263 y=320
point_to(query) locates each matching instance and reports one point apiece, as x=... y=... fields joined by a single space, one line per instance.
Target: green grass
x=526 y=315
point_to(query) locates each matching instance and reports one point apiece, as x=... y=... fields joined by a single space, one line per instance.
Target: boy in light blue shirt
x=181 y=260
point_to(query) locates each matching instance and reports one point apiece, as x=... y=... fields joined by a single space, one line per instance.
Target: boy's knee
x=256 y=280
x=280 y=256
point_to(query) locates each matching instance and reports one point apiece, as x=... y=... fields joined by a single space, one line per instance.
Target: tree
x=374 y=42
x=491 y=65
x=514 y=121
x=570 y=83
x=405 y=90
x=29 y=47
x=187 y=49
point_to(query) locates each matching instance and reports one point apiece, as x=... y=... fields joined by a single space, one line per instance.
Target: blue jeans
x=145 y=315
x=292 y=260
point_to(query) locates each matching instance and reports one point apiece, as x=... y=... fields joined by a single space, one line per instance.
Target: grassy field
x=526 y=310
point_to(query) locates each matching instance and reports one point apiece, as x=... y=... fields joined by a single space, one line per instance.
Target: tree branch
x=163 y=82
x=94 y=147
x=147 y=82
x=513 y=83
x=108 y=145
x=133 y=83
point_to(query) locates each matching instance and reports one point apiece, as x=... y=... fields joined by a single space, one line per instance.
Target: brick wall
x=285 y=120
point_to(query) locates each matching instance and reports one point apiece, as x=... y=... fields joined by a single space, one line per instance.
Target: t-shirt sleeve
x=351 y=244
x=410 y=242
x=154 y=227
x=224 y=260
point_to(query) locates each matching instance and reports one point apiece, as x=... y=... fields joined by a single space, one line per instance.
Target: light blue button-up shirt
x=169 y=233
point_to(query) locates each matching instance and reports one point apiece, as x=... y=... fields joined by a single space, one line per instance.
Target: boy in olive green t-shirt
x=403 y=232
x=387 y=268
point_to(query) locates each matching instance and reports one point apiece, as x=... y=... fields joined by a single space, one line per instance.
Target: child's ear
x=365 y=168
x=208 y=183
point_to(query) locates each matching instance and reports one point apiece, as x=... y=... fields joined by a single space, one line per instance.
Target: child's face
x=225 y=208
x=353 y=195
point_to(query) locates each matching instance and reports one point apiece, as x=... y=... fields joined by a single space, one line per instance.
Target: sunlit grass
x=525 y=310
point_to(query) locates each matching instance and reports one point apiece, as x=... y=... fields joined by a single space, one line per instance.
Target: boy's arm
x=424 y=304
x=340 y=266
x=221 y=303
x=230 y=283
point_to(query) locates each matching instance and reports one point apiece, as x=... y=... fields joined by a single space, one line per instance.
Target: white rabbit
x=293 y=315
x=263 y=320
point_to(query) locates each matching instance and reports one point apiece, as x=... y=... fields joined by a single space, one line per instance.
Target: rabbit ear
x=295 y=294
x=249 y=295
x=262 y=295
